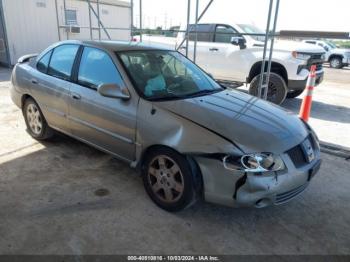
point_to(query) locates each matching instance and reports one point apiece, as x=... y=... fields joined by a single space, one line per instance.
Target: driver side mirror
x=113 y=91
x=239 y=41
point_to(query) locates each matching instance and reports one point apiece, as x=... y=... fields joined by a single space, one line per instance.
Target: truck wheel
x=294 y=93
x=336 y=62
x=277 y=90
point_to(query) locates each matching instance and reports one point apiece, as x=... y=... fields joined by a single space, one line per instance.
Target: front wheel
x=277 y=88
x=168 y=179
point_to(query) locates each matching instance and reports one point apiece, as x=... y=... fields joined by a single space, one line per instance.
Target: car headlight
x=301 y=56
x=254 y=163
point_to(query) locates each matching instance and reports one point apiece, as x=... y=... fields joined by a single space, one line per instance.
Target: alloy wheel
x=34 y=118
x=335 y=63
x=166 y=179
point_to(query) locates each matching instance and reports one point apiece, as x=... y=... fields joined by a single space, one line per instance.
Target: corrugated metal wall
x=29 y=28
x=32 y=24
x=111 y=17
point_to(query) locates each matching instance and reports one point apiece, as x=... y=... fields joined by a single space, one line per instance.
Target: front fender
x=157 y=126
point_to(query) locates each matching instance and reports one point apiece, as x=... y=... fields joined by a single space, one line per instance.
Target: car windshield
x=331 y=45
x=165 y=75
x=251 y=29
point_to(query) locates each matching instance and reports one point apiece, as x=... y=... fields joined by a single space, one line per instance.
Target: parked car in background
x=336 y=57
x=156 y=110
x=229 y=56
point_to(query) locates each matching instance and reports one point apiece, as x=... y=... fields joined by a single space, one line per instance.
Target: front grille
x=296 y=154
x=316 y=59
x=286 y=196
x=316 y=56
x=318 y=67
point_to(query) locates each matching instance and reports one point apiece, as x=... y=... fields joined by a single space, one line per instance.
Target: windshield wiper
x=165 y=97
x=195 y=94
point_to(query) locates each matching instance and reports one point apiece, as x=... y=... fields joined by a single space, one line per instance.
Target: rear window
x=62 y=61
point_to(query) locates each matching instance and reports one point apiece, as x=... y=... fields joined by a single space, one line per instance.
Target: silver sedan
x=155 y=109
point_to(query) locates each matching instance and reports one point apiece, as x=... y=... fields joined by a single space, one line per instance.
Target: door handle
x=34 y=81
x=213 y=49
x=76 y=96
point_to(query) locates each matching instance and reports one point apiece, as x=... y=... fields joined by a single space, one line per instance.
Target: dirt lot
x=49 y=205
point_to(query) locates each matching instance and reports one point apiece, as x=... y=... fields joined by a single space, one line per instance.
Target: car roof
x=115 y=46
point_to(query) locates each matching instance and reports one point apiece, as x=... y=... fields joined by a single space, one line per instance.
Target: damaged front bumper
x=244 y=189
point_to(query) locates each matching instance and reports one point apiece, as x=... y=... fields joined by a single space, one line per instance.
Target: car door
x=51 y=84
x=224 y=56
x=215 y=51
x=108 y=123
x=204 y=39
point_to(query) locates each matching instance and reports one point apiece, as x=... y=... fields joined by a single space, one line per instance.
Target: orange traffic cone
x=307 y=101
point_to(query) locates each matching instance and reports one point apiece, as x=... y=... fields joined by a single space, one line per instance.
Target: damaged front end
x=254 y=180
x=234 y=172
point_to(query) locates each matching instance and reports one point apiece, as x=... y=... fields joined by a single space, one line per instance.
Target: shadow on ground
x=49 y=205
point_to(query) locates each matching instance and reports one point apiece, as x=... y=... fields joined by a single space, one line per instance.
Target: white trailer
x=29 y=26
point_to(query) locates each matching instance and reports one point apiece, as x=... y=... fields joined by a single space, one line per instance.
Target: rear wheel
x=277 y=88
x=336 y=62
x=294 y=93
x=35 y=121
x=168 y=179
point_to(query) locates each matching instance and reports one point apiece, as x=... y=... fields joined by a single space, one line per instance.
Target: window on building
x=62 y=61
x=71 y=17
x=43 y=63
x=96 y=67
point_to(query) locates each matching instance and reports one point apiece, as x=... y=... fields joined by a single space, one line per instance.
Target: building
x=29 y=26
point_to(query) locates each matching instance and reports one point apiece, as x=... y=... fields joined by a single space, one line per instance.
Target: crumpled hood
x=251 y=123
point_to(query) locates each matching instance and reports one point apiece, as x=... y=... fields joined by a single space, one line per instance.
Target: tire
x=169 y=179
x=36 y=123
x=277 y=90
x=294 y=93
x=336 y=62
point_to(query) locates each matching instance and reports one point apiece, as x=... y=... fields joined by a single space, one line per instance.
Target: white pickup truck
x=336 y=57
x=229 y=56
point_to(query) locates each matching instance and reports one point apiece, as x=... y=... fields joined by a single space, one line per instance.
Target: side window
x=43 y=63
x=223 y=34
x=203 y=33
x=96 y=67
x=62 y=61
x=311 y=42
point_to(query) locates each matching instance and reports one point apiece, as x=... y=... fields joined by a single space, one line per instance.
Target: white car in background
x=228 y=55
x=337 y=57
